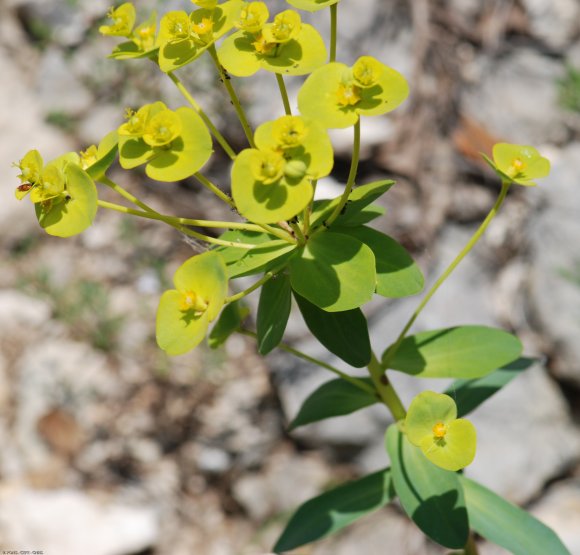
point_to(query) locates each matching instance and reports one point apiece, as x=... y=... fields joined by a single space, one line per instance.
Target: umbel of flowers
x=322 y=254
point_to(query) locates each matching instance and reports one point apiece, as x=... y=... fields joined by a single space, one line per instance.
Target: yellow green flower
x=207 y=4
x=519 y=164
x=185 y=312
x=432 y=425
x=337 y=95
x=253 y=17
x=123 y=20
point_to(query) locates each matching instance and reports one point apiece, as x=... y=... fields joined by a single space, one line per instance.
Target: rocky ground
x=111 y=448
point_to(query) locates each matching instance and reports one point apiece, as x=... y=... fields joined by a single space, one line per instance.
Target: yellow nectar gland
x=145 y=36
x=177 y=25
x=348 y=94
x=439 y=430
x=89 y=157
x=516 y=168
x=262 y=46
x=289 y=131
x=190 y=300
x=136 y=121
x=203 y=29
x=163 y=128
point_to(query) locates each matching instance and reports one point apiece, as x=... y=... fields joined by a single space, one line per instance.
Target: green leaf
x=273 y=312
x=188 y=152
x=506 y=525
x=359 y=198
x=344 y=334
x=334 y=398
x=469 y=394
x=106 y=154
x=432 y=497
x=334 y=271
x=260 y=258
x=229 y=322
x=266 y=203
x=131 y=51
x=233 y=254
x=460 y=352
x=364 y=216
x=75 y=213
x=397 y=274
x=332 y=511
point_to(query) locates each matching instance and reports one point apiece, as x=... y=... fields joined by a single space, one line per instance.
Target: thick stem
x=213 y=129
x=471 y=546
x=233 y=96
x=351 y=176
x=284 y=94
x=385 y=389
x=474 y=239
x=360 y=384
x=299 y=235
x=333 y=31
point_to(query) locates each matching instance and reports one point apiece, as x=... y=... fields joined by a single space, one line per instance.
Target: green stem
x=299 y=234
x=180 y=223
x=258 y=227
x=284 y=94
x=214 y=189
x=474 y=239
x=351 y=176
x=360 y=384
x=471 y=546
x=308 y=211
x=213 y=129
x=126 y=194
x=266 y=277
x=333 y=31
x=234 y=97
x=385 y=389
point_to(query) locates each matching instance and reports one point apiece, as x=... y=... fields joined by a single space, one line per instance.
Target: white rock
x=20 y=312
x=69 y=522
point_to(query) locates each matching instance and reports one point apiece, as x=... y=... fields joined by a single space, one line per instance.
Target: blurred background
x=111 y=448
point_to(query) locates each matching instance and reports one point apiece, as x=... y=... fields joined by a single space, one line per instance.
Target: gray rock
x=59 y=90
x=502 y=100
x=70 y=522
x=555 y=22
x=554 y=289
x=560 y=510
x=20 y=312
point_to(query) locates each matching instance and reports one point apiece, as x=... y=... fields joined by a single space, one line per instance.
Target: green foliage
x=506 y=525
x=333 y=398
x=569 y=89
x=432 y=497
x=461 y=352
x=322 y=252
x=332 y=511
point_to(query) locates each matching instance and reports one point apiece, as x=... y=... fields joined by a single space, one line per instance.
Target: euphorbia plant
x=323 y=254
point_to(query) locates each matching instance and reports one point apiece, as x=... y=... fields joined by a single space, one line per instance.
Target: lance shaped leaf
x=185 y=312
x=243 y=53
x=229 y=321
x=334 y=271
x=335 y=509
x=74 y=210
x=333 y=95
x=506 y=525
x=519 y=164
x=312 y=5
x=459 y=352
x=432 y=425
x=334 y=398
x=273 y=312
x=344 y=334
x=432 y=497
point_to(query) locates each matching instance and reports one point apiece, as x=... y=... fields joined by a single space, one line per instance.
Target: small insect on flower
x=24 y=187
